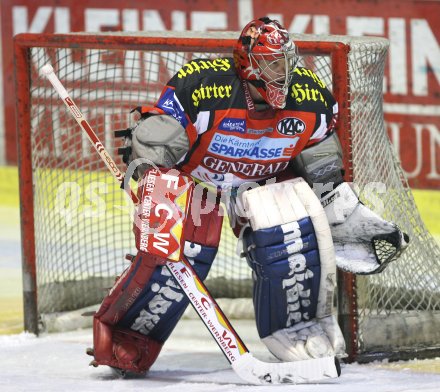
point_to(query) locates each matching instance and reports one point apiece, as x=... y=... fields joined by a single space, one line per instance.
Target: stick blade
x=258 y=372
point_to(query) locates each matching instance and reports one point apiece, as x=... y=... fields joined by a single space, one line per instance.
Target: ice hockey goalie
x=253 y=135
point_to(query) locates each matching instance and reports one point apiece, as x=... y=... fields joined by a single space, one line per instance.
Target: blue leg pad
x=286 y=276
x=162 y=302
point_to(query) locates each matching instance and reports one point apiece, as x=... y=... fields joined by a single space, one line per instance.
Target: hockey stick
x=48 y=71
x=244 y=364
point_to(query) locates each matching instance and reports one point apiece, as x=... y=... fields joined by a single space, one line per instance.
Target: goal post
x=75 y=221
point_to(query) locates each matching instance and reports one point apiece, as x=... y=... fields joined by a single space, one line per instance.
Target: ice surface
x=189 y=362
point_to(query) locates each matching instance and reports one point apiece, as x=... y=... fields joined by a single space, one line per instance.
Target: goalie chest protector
x=230 y=140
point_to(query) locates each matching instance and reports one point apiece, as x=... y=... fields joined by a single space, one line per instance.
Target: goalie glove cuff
x=365 y=243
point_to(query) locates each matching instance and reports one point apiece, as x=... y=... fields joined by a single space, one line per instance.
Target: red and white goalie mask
x=265 y=52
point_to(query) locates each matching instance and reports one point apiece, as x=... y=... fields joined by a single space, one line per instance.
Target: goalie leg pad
x=162 y=302
x=127 y=288
x=290 y=249
x=146 y=300
x=286 y=281
x=156 y=311
x=115 y=347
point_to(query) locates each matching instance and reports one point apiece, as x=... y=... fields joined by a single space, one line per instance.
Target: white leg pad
x=284 y=204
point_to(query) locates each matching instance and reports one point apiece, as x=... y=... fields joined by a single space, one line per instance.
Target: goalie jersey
x=233 y=142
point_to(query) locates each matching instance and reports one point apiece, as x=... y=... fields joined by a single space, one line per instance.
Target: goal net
x=76 y=222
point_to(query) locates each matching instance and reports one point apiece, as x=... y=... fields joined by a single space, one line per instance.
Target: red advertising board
x=412 y=75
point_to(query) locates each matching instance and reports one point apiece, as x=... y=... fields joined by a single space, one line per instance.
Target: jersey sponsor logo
x=259 y=131
x=307 y=72
x=265 y=148
x=220 y=64
x=218 y=177
x=251 y=170
x=291 y=126
x=210 y=92
x=169 y=103
x=302 y=92
x=233 y=125
x=288 y=151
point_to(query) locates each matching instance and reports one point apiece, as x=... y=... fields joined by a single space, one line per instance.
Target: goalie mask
x=265 y=52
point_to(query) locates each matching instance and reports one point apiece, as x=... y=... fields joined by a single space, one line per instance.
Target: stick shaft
x=208 y=310
x=91 y=135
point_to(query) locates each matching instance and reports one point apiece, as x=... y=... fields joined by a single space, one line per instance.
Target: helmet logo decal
x=276 y=38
